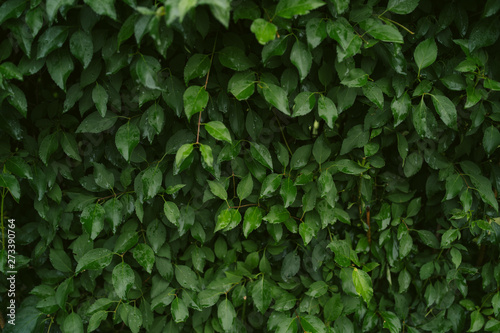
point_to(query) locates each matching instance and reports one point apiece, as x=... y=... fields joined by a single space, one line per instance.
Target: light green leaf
x=304 y=103
x=380 y=31
x=182 y=154
x=195 y=100
x=73 y=323
x=290 y=8
x=312 y=323
x=264 y=31
x=242 y=85
x=270 y=185
x=245 y=187
x=172 y=212
x=306 y=232
x=476 y=321
x=219 y=131
x=251 y=220
x=207 y=157
x=301 y=58
x=226 y=314
x=391 y=321
x=94 y=259
x=261 y=294
x=425 y=53
x=180 y=312
x=327 y=110
x=363 y=284
x=217 y=189
x=123 y=279
x=261 y=154
x=126 y=139
x=276 y=96
x=145 y=256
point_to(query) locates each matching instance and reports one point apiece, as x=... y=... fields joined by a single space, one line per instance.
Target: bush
x=250 y=166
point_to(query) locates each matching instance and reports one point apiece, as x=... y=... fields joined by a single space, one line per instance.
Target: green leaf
x=270 y=185
x=491 y=139
x=404 y=280
x=245 y=187
x=315 y=32
x=264 y=31
x=276 y=96
x=103 y=7
x=135 y=319
x=234 y=58
x=261 y=154
x=380 y=31
x=400 y=108
x=355 y=78
x=219 y=131
x=195 y=100
x=182 y=154
x=242 y=85
x=70 y=146
x=300 y=157
x=306 y=232
x=304 y=103
x=423 y=120
x=180 y=311
x=288 y=191
x=197 y=66
x=52 y=39
x=186 y=277
x=100 y=98
x=402 y=7
x=156 y=117
x=333 y=308
x=321 y=150
x=94 y=259
x=96 y=319
x=171 y=212
x=145 y=256
x=11 y=9
x=207 y=157
x=126 y=139
x=290 y=8
x=82 y=47
x=476 y=321
x=261 y=294
x=92 y=219
x=60 y=260
x=391 y=321
x=217 y=189
x=456 y=257
x=290 y=266
x=356 y=138
x=146 y=72
x=18 y=100
x=10 y=71
x=228 y=218
x=312 y=323
x=60 y=66
x=123 y=279
x=251 y=220
x=374 y=93
x=428 y=238
x=151 y=182
x=327 y=110
x=48 y=146
x=226 y=314
x=94 y=123
x=73 y=323
x=19 y=167
x=301 y=58
x=363 y=284
x=425 y=53
x=446 y=110
x=103 y=177
x=484 y=33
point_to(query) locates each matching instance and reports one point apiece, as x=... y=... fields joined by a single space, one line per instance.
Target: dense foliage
x=251 y=166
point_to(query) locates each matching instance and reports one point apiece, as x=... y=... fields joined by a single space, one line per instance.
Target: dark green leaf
x=290 y=8
x=94 y=259
x=145 y=256
x=123 y=279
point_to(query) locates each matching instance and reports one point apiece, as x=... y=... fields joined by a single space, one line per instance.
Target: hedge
x=250 y=166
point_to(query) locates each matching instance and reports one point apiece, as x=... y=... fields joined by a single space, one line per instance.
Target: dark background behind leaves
x=342 y=176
